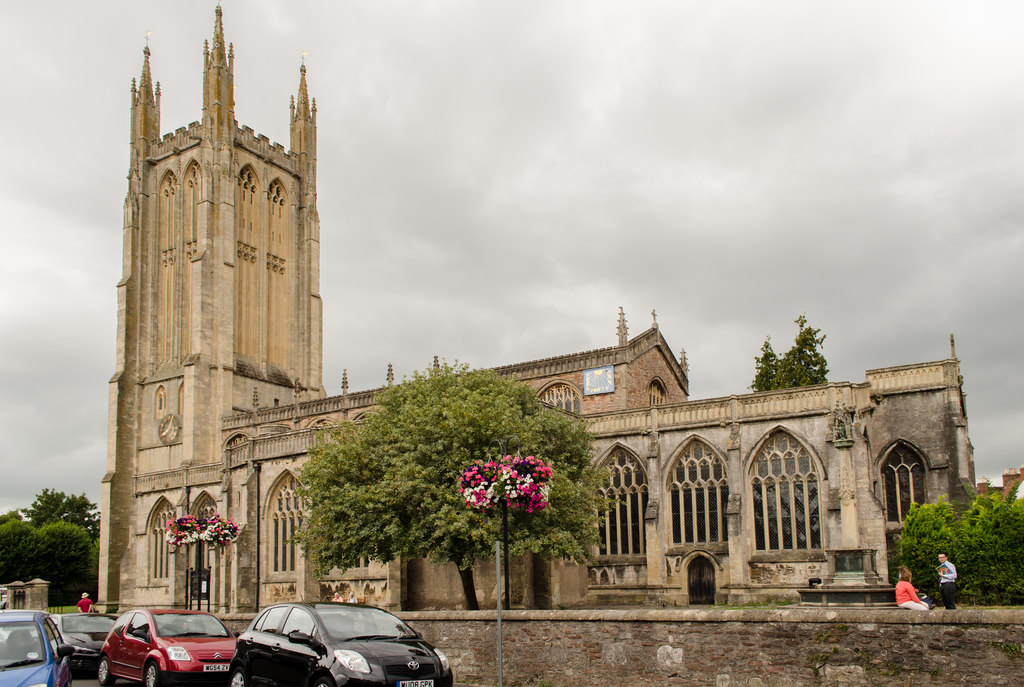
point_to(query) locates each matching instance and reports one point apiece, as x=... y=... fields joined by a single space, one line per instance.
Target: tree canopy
x=388 y=487
x=802 y=365
x=55 y=506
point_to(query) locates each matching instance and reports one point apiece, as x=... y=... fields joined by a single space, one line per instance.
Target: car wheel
x=103 y=674
x=238 y=678
x=324 y=682
x=152 y=675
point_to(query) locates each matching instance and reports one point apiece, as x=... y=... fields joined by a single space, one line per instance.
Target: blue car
x=32 y=653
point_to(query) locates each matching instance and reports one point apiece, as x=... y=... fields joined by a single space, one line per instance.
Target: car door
x=136 y=643
x=257 y=646
x=62 y=664
x=296 y=660
x=115 y=645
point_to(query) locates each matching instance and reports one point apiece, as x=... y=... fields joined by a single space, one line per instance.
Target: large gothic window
x=247 y=276
x=655 y=393
x=698 y=491
x=191 y=222
x=285 y=519
x=903 y=474
x=168 y=233
x=562 y=396
x=159 y=552
x=622 y=529
x=785 y=496
x=277 y=285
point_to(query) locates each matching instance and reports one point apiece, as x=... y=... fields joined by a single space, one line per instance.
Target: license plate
x=416 y=683
x=216 y=668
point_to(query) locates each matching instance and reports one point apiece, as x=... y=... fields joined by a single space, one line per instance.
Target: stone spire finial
x=654 y=319
x=344 y=382
x=437 y=363
x=952 y=347
x=623 y=331
x=391 y=375
x=302 y=103
x=683 y=362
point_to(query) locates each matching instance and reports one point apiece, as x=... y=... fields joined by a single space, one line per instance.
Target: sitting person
x=906 y=595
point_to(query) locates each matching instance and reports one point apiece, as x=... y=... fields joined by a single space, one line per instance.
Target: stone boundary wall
x=778 y=647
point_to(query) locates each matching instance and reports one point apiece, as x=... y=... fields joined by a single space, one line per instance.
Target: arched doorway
x=701 y=581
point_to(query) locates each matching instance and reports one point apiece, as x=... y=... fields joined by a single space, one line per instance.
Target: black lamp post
x=502 y=445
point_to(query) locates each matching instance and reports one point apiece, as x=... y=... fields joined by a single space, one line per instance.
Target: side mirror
x=300 y=637
x=64 y=650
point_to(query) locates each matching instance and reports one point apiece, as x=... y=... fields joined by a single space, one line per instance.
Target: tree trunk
x=469 y=589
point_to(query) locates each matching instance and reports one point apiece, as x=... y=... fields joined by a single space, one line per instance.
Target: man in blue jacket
x=947 y=581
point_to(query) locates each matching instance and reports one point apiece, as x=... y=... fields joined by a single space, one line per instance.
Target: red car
x=167 y=647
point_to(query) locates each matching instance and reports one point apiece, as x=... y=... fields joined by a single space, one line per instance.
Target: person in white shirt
x=947 y=581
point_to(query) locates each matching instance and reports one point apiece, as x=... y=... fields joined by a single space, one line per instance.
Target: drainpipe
x=257 y=467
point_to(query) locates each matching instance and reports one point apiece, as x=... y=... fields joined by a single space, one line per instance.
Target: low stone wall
x=780 y=647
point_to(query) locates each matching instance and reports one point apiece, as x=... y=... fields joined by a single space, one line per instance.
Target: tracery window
x=277 y=286
x=903 y=475
x=285 y=519
x=204 y=506
x=699 y=491
x=655 y=393
x=622 y=528
x=247 y=277
x=562 y=396
x=191 y=222
x=159 y=552
x=168 y=236
x=785 y=496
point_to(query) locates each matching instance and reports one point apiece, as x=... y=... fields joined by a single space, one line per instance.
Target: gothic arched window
x=277 y=286
x=159 y=553
x=698 y=491
x=168 y=234
x=562 y=396
x=160 y=402
x=247 y=277
x=785 y=496
x=285 y=519
x=622 y=529
x=191 y=217
x=655 y=393
x=903 y=475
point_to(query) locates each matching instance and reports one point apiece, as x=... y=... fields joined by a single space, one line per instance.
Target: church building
x=217 y=395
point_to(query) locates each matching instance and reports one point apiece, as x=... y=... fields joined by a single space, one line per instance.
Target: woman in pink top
x=906 y=595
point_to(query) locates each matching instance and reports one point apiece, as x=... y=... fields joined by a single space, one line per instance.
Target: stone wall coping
x=883 y=615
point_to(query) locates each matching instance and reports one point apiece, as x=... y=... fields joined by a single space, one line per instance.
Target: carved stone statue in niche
x=842 y=431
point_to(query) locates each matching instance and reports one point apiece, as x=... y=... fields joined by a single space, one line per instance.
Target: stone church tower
x=219 y=305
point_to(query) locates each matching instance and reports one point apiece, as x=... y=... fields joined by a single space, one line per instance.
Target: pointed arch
x=562 y=395
x=204 y=506
x=785 y=494
x=168 y=240
x=903 y=471
x=285 y=515
x=192 y=192
x=622 y=527
x=698 y=490
x=160 y=515
x=656 y=393
x=160 y=402
x=278 y=255
x=247 y=276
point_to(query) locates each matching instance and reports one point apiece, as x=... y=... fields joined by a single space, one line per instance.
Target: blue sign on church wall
x=599 y=380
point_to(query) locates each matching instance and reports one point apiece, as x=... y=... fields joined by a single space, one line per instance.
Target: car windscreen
x=189 y=625
x=21 y=644
x=346 y=622
x=86 y=623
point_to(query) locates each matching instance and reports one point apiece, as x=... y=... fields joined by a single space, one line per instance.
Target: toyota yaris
x=335 y=645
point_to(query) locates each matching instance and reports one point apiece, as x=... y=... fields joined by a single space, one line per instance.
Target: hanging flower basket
x=520 y=483
x=214 y=530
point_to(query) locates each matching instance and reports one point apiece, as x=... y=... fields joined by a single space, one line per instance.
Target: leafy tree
x=10 y=515
x=802 y=365
x=19 y=551
x=388 y=487
x=53 y=506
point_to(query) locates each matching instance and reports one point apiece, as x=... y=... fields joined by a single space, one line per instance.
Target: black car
x=335 y=644
x=85 y=632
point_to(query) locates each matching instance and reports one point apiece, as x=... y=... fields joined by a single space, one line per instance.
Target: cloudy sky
x=497 y=177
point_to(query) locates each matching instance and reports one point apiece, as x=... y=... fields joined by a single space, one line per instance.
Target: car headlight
x=445 y=666
x=353 y=660
x=178 y=653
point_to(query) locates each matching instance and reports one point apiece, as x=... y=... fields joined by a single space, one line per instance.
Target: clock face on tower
x=599 y=380
x=168 y=428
